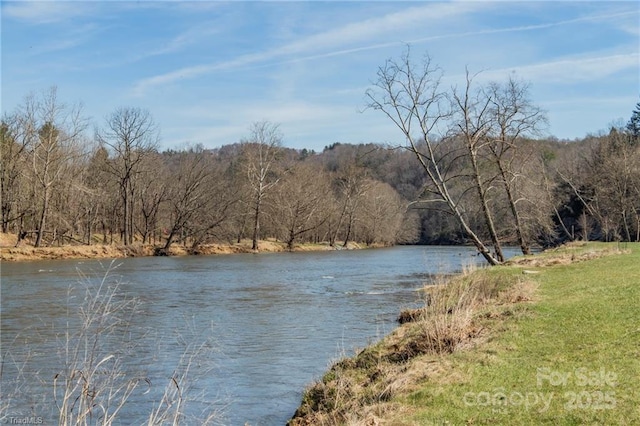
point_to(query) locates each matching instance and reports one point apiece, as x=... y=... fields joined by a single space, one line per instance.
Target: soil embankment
x=24 y=251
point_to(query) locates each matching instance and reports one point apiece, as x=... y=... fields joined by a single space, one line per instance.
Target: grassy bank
x=8 y=251
x=551 y=339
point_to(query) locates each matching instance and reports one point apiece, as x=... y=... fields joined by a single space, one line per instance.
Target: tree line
x=489 y=173
x=61 y=186
x=471 y=166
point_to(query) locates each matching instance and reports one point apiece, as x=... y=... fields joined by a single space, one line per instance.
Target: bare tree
x=382 y=214
x=411 y=97
x=353 y=186
x=261 y=151
x=612 y=183
x=153 y=193
x=198 y=196
x=514 y=117
x=129 y=134
x=15 y=141
x=473 y=119
x=301 y=202
x=187 y=193
x=55 y=129
x=94 y=187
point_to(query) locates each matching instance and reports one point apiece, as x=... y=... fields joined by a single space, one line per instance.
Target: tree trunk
x=349 y=228
x=626 y=225
x=43 y=217
x=524 y=246
x=485 y=206
x=256 y=224
x=125 y=225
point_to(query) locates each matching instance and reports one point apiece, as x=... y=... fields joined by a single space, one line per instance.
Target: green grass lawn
x=570 y=358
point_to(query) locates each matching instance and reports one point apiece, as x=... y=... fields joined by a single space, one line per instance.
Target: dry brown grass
x=360 y=390
x=8 y=251
x=522 y=291
x=567 y=254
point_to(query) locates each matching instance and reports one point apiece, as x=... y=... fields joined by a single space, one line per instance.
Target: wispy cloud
x=45 y=12
x=324 y=44
x=315 y=45
x=570 y=70
x=191 y=36
x=522 y=28
x=74 y=37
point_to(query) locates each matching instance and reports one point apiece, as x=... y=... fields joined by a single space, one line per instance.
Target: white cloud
x=316 y=45
x=300 y=121
x=45 y=12
x=571 y=70
x=74 y=37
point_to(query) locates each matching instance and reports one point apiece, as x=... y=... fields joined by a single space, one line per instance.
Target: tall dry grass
x=95 y=383
x=359 y=390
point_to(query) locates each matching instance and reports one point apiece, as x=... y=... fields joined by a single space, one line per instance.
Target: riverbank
x=551 y=339
x=26 y=252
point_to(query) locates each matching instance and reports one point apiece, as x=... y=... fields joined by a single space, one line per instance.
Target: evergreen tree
x=633 y=126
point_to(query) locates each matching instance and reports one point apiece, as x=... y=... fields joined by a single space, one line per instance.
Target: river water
x=254 y=329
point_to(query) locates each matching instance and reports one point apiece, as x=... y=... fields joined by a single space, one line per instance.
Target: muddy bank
x=25 y=252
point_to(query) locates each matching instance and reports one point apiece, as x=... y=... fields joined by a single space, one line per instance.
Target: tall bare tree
x=261 y=151
x=472 y=116
x=56 y=130
x=15 y=141
x=514 y=117
x=301 y=202
x=153 y=192
x=130 y=134
x=352 y=186
x=382 y=214
x=410 y=95
x=199 y=199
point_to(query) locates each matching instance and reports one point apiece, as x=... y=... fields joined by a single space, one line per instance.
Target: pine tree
x=633 y=126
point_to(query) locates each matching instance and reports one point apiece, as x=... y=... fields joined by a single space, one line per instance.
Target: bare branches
x=262 y=151
x=411 y=98
x=50 y=134
x=130 y=134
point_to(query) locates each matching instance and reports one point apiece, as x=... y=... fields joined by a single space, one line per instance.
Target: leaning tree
x=410 y=95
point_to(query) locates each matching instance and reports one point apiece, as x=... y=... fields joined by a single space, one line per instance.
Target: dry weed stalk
x=94 y=385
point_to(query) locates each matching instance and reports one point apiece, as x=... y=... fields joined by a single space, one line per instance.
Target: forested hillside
x=68 y=180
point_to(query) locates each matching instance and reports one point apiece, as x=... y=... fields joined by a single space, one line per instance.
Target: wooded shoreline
x=25 y=252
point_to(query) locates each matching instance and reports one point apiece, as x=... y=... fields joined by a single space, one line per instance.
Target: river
x=257 y=328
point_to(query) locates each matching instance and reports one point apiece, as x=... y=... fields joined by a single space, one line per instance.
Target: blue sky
x=206 y=70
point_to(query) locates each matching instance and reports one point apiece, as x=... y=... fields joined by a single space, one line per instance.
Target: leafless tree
x=153 y=193
x=410 y=96
x=187 y=193
x=382 y=216
x=301 y=202
x=199 y=198
x=15 y=140
x=611 y=183
x=129 y=134
x=56 y=131
x=514 y=117
x=261 y=151
x=473 y=119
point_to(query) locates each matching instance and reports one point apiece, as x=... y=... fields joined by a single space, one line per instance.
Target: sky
x=207 y=70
